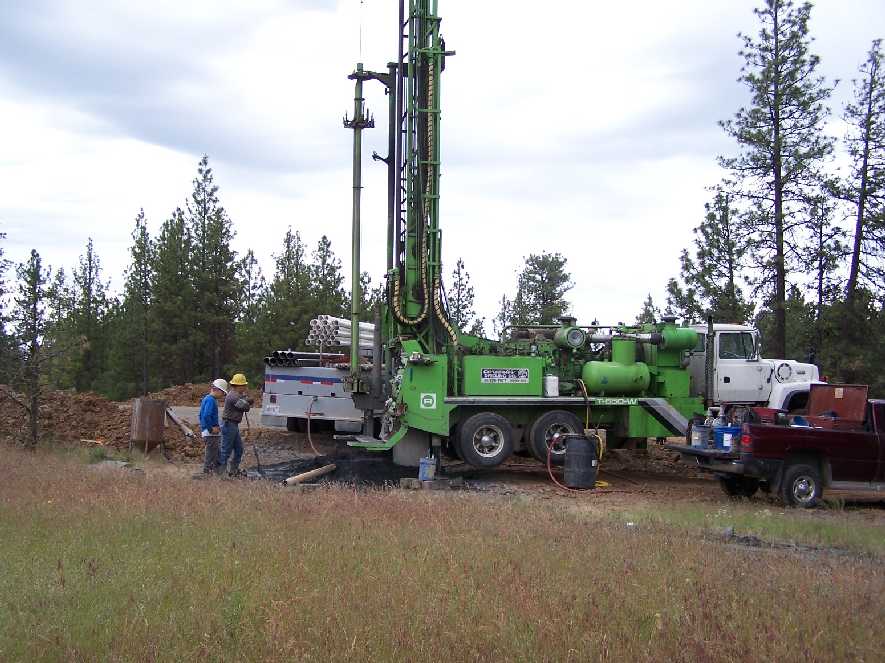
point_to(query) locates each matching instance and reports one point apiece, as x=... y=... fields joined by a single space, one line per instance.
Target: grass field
x=119 y=566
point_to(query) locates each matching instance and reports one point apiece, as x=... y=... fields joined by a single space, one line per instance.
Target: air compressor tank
x=678 y=338
x=623 y=375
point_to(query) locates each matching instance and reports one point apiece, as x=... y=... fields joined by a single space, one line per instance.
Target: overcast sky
x=587 y=128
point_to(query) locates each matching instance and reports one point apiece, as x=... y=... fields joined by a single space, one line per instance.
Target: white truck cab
x=740 y=375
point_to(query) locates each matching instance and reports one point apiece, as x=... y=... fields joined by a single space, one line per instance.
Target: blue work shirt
x=208 y=413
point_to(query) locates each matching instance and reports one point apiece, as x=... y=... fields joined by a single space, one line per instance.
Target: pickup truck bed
x=798 y=462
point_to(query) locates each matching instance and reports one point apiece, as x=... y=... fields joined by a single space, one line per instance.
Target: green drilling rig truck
x=432 y=388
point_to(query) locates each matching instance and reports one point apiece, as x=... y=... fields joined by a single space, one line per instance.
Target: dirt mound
x=87 y=419
x=182 y=394
x=192 y=394
x=71 y=417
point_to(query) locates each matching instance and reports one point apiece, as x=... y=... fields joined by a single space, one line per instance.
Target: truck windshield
x=738 y=345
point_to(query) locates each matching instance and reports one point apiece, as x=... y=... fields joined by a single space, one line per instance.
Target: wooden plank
x=312 y=474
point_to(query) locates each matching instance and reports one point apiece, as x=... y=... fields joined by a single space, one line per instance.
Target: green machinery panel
x=489 y=375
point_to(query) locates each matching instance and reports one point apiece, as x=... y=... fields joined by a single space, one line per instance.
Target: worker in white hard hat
x=236 y=404
x=210 y=427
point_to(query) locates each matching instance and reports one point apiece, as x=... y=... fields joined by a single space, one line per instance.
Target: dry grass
x=107 y=566
x=850 y=531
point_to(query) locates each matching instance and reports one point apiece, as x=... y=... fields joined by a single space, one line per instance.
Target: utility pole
x=361 y=120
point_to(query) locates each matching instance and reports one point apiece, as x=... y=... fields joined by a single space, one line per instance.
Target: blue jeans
x=231 y=443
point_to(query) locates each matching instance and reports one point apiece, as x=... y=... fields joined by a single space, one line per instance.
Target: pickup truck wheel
x=546 y=431
x=802 y=486
x=486 y=439
x=739 y=486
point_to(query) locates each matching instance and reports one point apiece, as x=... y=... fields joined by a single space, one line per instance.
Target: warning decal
x=504 y=376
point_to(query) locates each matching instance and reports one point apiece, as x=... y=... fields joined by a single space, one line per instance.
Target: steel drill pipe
x=361 y=337
x=348 y=328
x=343 y=321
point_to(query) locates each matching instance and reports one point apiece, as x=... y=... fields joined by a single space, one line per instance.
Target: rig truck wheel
x=546 y=431
x=296 y=425
x=802 y=486
x=485 y=439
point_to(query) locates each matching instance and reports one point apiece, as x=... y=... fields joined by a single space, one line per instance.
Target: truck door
x=738 y=374
x=696 y=366
x=854 y=455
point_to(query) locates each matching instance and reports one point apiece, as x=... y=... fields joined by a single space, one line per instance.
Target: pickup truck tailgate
x=714 y=460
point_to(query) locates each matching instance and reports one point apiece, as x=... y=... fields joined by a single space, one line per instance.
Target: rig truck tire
x=485 y=439
x=802 y=486
x=296 y=425
x=545 y=428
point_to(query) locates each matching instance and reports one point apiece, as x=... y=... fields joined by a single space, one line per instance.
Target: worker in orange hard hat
x=236 y=403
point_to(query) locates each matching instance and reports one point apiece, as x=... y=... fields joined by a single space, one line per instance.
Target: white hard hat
x=221 y=384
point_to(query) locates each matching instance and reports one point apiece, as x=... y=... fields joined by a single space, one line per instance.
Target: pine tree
x=460 y=298
x=60 y=338
x=683 y=302
x=865 y=117
x=253 y=288
x=504 y=317
x=711 y=275
x=649 y=313
x=90 y=306
x=854 y=347
x=327 y=280
x=132 y=350
x=214 y=275
x=541 y=289
x=250 y=332
x=171 y=318
x=29 y=326
x=371 y=297
x=478 y=328
x=824 y=250
x=800 y=327
x=782 y=146
x=289 y=300
x=8 y=353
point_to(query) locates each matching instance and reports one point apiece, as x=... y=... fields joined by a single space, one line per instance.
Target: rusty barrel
x=146 y=427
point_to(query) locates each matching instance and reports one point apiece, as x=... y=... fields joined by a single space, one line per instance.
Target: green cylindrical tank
x=570 y=337
x=678 y=338
x=621 y=376
x=623 y=351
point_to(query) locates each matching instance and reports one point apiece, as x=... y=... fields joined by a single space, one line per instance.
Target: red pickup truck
x=839 y=444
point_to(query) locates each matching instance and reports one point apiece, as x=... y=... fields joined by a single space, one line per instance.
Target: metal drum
x=581 y=462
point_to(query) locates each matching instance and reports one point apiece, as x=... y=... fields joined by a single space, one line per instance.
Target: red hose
x=553 y=478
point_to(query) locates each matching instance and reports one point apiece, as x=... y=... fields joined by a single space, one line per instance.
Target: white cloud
x=585 y=128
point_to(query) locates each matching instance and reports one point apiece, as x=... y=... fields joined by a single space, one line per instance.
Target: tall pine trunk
x=861 y=200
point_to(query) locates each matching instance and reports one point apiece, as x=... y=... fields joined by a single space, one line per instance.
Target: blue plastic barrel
x=726 y=437
x=427 y=468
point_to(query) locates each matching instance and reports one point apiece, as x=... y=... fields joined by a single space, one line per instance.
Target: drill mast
x=415 y=281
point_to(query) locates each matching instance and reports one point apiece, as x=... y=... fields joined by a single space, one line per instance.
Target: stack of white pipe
x=329 y=330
